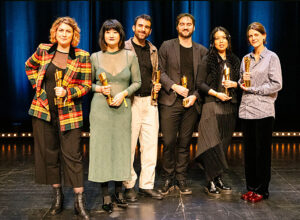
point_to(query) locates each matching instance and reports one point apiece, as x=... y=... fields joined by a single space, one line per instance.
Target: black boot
x=120 y=201
x=107 y=204
x=221 y=186
x=167 y=187
x=212 y=190
x=57 y=204
x=79 y=206
x=130 y=195
x=183 y=187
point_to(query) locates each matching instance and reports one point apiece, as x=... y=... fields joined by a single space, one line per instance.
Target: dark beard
x=146 y=36
x=187 y=36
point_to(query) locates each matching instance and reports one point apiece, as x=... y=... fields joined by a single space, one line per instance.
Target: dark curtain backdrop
x=25 y=24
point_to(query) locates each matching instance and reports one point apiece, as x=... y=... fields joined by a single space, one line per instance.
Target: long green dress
x=110 y=127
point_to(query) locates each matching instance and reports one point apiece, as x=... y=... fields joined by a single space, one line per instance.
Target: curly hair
x=68 y=21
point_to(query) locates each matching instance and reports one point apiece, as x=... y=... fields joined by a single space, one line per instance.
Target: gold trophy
x=58 y=80
x=247 y=69
x=155 y=79
x=103 y=80
x=226 y=77
x=184 y=84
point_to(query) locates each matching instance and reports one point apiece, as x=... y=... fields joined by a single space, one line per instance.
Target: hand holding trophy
x=155 y=79
x=184 y=84
x=247 y=69
x=58 y=80
x=226 y=77
x=103 y=80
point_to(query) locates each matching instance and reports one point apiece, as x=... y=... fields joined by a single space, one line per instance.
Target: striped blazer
x=76 y=81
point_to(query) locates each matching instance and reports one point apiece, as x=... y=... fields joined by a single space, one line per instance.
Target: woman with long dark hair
x=110 y=121
x=60 y=73
x=219 y=110
x=257 y=111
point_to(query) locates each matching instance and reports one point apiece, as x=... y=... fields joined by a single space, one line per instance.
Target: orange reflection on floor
x=280 y=150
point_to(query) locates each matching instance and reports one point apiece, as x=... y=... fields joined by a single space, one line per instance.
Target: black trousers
x=177 y=125
x=257 y=152
x=57 y=151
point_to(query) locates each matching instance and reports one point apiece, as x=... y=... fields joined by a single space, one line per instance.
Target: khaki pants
x=144 y=126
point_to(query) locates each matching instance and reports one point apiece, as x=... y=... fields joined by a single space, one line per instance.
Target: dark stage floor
x=21 y=198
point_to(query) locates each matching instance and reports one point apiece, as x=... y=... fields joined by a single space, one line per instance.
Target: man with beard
x=179 y=57
x=145 y=123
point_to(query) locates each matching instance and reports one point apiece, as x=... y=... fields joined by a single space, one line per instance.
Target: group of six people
x=192 y=83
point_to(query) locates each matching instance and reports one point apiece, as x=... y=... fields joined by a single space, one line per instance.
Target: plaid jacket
x=77 y=82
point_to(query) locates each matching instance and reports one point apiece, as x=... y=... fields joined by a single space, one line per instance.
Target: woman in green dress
x=110 y=124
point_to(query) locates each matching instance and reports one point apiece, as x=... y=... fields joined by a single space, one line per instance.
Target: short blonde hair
x=68 y=21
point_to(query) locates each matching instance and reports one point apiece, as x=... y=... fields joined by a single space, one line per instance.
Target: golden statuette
x=58 y=80
x=155 y=79
x=103 y=80
x=247 y=69
x=226 y=77
x=184 y=84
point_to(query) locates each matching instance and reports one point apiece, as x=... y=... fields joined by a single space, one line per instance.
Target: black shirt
x=187 y=67
x=50 y=84
x=143 y=54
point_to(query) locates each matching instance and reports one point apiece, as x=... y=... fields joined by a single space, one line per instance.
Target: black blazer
x=169 y=65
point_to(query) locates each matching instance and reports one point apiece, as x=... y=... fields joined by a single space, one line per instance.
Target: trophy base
x=154 y=97
x=58 y=101
x=185 y=103
x=109 y=100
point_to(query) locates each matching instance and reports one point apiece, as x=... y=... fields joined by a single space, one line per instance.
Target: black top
x=143 y=54
x=186 y=66
x=50 y=84
x=212 y=75
x=59 y=63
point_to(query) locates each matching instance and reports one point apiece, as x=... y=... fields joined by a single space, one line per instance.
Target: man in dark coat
x=179 y=57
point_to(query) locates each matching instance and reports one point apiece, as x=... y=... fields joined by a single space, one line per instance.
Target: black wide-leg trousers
x=57 y=151
x=257 y=153
x=177 y=125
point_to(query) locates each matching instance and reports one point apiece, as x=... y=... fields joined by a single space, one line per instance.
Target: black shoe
x=130 y=195
x=221 y=186
x=183 y=188
x=120 y=201
x=266 y=195
x=57 y=204
x=166 y=188
x=150 y=193
x=107 y=204
x=79 y=206
x=212 y=190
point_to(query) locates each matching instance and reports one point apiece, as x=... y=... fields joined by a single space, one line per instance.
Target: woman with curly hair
x=60 y=74
x=219 y=111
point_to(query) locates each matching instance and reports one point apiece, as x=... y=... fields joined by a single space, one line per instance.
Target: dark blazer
x=169 y=65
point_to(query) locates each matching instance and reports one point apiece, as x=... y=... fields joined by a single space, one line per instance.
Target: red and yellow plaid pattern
x=77 y=82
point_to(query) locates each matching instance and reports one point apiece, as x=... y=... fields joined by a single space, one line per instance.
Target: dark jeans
x=257 y=150
x=55 y=151
x=177 y=125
